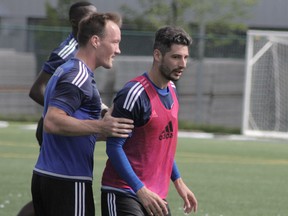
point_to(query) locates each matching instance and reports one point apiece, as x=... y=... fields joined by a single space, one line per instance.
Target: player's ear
x=157 y=55
x=95 y=40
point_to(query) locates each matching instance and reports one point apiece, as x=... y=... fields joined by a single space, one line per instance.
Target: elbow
x=37 y=95
x=32 y=94
x=48 y=126
x=111 y=150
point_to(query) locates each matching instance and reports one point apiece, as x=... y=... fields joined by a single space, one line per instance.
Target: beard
x=167 y=73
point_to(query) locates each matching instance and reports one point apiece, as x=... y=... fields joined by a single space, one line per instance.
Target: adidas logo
x=167 y=133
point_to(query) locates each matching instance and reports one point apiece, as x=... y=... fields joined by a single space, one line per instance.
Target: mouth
x=112 y=58
x=178 y=72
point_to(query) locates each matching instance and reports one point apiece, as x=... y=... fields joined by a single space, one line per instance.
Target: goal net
x=266 y=84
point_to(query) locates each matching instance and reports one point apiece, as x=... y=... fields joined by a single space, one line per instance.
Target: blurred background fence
x=210 y=91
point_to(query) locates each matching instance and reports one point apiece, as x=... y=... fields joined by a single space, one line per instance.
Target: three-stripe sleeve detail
x=82 y=76
x=132 y=96
x=68 y=49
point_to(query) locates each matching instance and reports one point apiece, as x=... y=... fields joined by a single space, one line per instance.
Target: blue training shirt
x=72 y=88
x=65 y=51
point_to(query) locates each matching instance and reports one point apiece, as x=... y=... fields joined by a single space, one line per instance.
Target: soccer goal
x=266 y=84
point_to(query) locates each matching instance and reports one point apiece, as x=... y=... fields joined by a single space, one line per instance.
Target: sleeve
x=175 y=172
x=114 y=146
x=141 y=109
x=121 y=163
x=52 y=63
x=67 y=97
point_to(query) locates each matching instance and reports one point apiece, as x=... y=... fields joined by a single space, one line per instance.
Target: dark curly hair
x=166 y=36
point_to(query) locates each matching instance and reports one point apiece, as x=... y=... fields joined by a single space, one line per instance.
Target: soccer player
x=62 y=176
x=63 y=52
x=138 y=171
x=58 y=56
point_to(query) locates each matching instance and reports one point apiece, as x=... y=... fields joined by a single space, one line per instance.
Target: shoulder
x=132 y=93
x=74 y=72
x=132 y=102
x=67 y=48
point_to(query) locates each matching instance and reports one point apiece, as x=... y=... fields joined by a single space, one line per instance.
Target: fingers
x=122 y=121
x=122 y=130
x=127 y=124
x=158 y=209
x=117 y=127
x=187 y=206
x=190 y=205
x=120 y=135
x=152 y=203
x=125 y=121
x=163 y=208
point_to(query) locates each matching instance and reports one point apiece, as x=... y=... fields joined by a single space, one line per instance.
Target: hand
x=190 y=201
x=116 y=127
x=153 y=204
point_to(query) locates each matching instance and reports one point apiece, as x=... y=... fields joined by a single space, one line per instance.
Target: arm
x=175 y=172
x=150 y=200
x=48 y=68
x=38 y=88
x=58 y=122
x=66 y=100
x=190 y=201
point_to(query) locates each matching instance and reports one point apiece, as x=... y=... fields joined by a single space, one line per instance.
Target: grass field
x=229 y=178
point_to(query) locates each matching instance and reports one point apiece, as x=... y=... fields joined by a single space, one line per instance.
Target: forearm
x=190 y=201
x=121 y=163
x=38 y=88
x=37 y=96
x=37 y=92
x=58 y=122
x=178 y=183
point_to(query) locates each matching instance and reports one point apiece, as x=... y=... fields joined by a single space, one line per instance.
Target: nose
x=183 y=62
x=118 y=51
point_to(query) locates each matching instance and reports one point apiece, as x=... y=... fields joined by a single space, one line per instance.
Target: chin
x=174 y=78
x=108 y=66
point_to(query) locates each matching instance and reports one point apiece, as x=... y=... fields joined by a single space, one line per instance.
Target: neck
x=158 y=80
x=85 y=56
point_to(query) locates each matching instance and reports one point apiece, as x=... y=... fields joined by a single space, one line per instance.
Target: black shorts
x=117 y=204
x=55 y=197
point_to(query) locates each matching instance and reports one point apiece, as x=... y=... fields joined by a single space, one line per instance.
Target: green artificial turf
x=228 y=177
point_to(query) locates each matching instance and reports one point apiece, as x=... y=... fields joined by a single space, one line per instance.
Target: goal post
x=265 y=109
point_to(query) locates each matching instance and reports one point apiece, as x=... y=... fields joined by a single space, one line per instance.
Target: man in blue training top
x=62 y=177
x=66 y=50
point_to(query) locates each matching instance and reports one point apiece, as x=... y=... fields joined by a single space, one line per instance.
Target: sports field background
x=230 y=177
